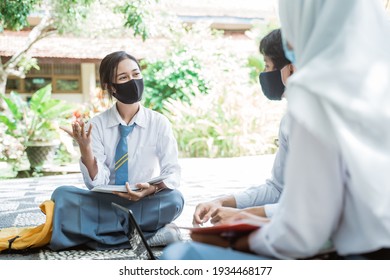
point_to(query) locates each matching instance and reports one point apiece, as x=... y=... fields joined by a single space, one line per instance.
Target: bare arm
x=223 y=214
x=203 y=211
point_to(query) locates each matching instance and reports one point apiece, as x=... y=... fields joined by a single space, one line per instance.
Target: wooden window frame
x=53 y=77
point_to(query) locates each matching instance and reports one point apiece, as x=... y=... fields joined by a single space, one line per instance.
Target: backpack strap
x=10 y=241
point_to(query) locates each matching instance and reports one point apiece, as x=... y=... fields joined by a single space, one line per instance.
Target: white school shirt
x=319 y=203
x=152 y=148
x=268 y=194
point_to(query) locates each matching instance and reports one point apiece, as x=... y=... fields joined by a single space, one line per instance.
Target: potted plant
x=35 y=123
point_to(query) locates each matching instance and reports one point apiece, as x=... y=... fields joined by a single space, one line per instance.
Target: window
x=65 y=78
x=33 y=84
x=13 y=84
x=67 y=85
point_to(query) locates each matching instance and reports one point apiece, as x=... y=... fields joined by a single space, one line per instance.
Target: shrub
x=176 y=78
x=37 y=120
x=233 y=118
x=226 y=124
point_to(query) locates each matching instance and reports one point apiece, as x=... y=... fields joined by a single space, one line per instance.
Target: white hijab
x=341 y=91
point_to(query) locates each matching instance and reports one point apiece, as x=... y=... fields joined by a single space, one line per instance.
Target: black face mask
x=272 y=85
x=129 y=92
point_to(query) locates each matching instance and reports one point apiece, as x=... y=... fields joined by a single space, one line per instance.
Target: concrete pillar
x=88 y=80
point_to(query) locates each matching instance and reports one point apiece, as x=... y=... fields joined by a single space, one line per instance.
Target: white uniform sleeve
x=168 y=155
x=270 y=209
x=311 y=203
x=103 y=174
x=257 y=195
x=271 y=190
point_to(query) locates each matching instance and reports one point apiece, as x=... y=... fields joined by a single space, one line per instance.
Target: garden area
x=208 y=89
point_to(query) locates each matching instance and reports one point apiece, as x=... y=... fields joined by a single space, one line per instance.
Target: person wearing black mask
x=259 y=200
x=337 y=173
x=126 y=145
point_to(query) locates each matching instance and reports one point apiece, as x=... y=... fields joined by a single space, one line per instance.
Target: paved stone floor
x=202 y=180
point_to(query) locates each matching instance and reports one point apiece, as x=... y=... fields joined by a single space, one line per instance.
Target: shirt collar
x=115 y=118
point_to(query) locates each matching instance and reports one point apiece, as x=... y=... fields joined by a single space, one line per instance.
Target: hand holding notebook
x=122 y=188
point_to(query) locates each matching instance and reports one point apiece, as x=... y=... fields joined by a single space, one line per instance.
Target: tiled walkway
x=202 y=179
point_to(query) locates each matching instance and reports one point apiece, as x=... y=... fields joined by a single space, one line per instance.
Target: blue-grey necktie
x=121 y=156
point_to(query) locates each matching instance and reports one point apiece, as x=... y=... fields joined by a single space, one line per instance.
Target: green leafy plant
x=221 y=125
x=234 y=118
x=256 y=65
x=13 y=14
x=135 y=12
x=35 y=123
x=176 y=78
x=37 y=120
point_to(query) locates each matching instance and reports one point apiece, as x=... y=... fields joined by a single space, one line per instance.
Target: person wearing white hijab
x=339 y=101
x=338 y=169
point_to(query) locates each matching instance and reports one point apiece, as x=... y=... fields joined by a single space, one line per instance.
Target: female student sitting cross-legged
x=127 y=144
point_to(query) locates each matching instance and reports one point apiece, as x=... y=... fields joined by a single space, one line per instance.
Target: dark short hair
x=108 y=68
x=271 y=46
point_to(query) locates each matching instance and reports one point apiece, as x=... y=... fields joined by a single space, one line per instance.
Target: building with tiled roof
x=70 y=63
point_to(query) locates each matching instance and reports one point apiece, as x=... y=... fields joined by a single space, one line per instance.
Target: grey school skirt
x=82 y=217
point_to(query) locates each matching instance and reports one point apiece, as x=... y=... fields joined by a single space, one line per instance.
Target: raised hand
x=78 y=133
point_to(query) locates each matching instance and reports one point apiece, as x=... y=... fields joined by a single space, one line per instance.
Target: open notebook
x=122 y=188
x=132 y=230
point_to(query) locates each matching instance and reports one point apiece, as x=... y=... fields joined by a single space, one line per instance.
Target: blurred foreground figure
x=337 y=179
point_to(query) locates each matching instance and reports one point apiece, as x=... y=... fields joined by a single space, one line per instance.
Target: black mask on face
x=272 y=85
x=129 y=92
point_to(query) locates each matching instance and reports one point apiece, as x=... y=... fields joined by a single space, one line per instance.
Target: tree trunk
x=42 y=30
x=3 y=81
